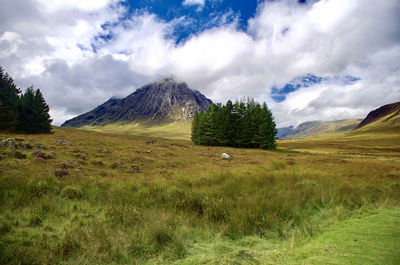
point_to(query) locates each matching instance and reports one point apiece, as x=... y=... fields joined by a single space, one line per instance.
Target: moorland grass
x=124 y=201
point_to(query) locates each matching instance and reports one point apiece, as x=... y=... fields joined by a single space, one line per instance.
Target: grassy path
x=374 y=239
x=371 y=239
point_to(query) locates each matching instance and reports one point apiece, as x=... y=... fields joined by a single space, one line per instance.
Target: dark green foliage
x=27 y=113
x=243 y=124
x=8 y=101
x=42 y=121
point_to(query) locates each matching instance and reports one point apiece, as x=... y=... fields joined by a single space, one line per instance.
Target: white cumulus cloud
x=61 y=49
x=194 y=2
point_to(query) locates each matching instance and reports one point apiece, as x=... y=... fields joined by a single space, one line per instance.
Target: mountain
x=283 y=132
x=387 y=116
x=160 y=102
x=318 y=129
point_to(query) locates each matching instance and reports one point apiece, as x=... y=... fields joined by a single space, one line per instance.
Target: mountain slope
x=283 y=132
x=386 y=117
x=160 y=102
x=318 y=129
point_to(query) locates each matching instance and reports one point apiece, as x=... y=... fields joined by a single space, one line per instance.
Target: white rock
x=226 y=156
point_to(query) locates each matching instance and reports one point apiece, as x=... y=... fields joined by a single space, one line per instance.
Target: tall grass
x=182 y=196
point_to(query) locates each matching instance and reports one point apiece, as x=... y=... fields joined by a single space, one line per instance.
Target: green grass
x=173 y=130
x=123 y=201
x=372 y=239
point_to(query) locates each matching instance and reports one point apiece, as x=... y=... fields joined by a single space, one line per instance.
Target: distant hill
x=317 y=129
x=386 y=117
x=161 y=102
x=283 y=132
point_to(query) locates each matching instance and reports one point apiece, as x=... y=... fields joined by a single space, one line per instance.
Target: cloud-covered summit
x=82 y=52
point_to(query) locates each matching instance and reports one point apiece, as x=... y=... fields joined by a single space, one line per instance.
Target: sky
x=308 y=59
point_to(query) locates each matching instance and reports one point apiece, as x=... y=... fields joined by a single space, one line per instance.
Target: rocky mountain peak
x=163 y=101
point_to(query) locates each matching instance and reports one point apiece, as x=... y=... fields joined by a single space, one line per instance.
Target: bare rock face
x=165 y=100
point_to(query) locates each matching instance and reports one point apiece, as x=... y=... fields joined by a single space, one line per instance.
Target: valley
x=103 y=198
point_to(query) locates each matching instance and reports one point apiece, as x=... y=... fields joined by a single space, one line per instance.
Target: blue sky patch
x=195 y=18
x=279 y=92
x=200 y=18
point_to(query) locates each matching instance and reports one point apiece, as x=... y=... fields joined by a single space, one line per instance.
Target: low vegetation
x=80 y=197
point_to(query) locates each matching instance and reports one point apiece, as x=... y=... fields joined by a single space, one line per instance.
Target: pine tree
x=240 y=124
x=9 y=96
x=42 y=121
x=33 y=113
x=267 y=130
x=26 y=116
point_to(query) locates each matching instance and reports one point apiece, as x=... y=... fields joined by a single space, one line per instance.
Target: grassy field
x=122 y=199
x=173 y=130
x=318 y=129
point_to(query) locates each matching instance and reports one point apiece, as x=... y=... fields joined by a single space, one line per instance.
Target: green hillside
x=322 y=128
x=383 y=123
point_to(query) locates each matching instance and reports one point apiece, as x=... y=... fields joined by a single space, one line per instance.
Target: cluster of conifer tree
x=22 y=112
x=243 y=124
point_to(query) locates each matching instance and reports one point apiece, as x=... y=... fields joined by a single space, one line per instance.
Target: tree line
x=22 y=112
x=242 y=124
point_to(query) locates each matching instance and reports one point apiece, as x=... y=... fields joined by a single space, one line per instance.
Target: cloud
x=88 y=51
x=194 y=2
x=72 y=90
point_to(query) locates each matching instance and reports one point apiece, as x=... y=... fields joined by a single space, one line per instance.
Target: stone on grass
x=59 y=141
x=25 y=145
x=8 y=143
x=38 y=146
x=226 y=156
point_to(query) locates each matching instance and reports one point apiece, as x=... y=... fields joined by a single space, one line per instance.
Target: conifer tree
x=42 y=121
x=267 y=130
x=33 y=113
x=26 y=116
x=241 y=124
x=9 y=96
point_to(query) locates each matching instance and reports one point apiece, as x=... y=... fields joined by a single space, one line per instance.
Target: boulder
x=38 y=146
x=226 y=156
x=25 y=145
x=59 y=141
x=8 y=143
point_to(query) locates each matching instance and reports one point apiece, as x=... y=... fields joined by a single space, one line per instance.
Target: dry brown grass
x=109 y=198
